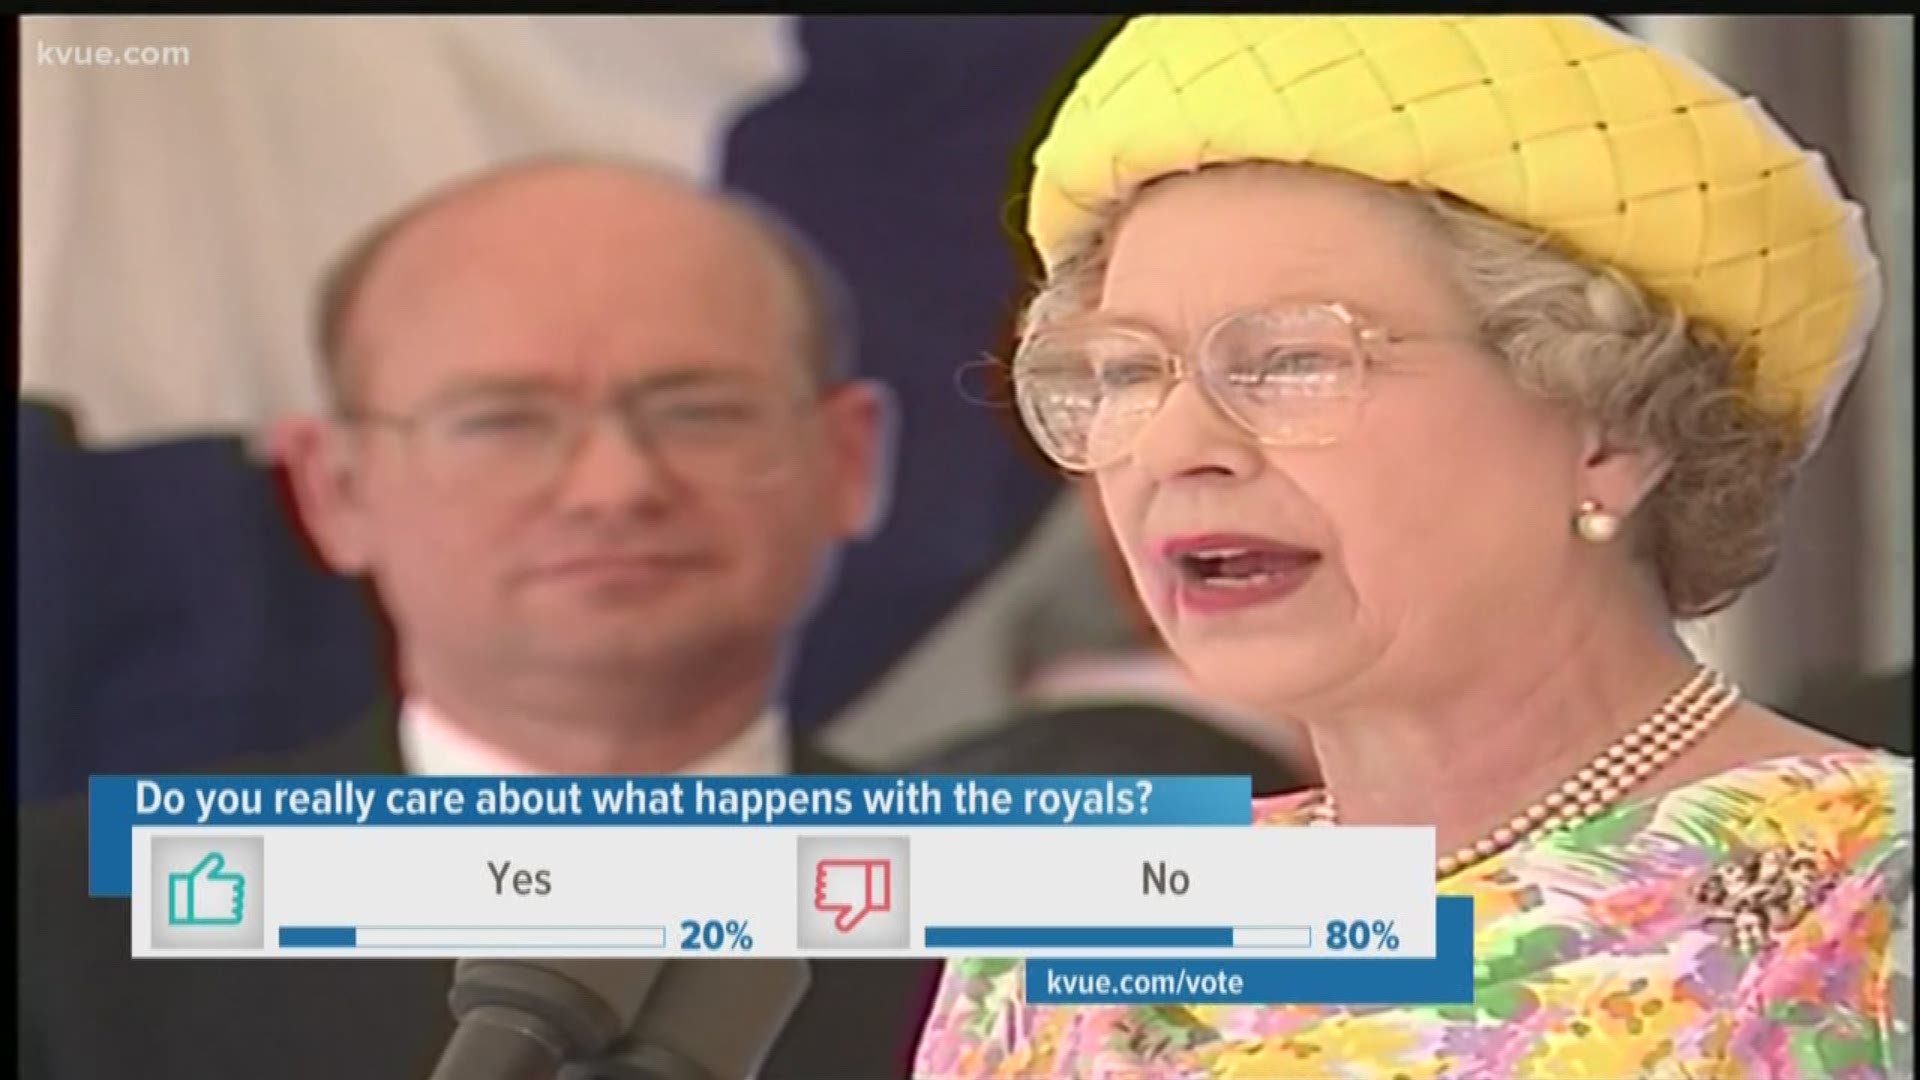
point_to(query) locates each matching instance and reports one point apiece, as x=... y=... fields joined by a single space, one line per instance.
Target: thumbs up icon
x=207 y=895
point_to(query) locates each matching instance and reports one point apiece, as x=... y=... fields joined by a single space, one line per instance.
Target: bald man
x=595 y=440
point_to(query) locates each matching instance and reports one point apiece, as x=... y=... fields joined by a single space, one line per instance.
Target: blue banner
x=1447 y=979
x=118 y=804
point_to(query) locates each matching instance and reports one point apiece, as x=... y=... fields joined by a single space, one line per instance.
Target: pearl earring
x=1594 y=524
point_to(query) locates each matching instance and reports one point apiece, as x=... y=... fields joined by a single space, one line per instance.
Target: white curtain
x=175 y=216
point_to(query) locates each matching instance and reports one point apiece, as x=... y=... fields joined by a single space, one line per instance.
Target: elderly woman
x=1429 y=371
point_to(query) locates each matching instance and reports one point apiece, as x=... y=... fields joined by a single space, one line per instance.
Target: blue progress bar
x=317 y=937
x=1079 y=937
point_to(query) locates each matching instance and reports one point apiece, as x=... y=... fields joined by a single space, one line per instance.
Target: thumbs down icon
x=852 y=889
x=854 y=892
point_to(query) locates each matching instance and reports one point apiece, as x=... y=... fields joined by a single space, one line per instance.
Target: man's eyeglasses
x=1289 y=375
x=520 y=443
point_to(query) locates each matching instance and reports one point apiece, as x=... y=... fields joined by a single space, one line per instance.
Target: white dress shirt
x=431 y=745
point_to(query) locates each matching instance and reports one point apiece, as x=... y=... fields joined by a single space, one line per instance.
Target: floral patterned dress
x=1753 y=924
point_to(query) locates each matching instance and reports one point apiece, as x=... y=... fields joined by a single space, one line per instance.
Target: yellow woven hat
x=1626 y=155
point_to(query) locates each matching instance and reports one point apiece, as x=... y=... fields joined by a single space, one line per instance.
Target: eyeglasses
x=1289 y=375
x=520 y=443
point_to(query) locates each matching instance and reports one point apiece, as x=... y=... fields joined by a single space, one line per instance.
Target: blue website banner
x=118 y=804
x=1446 y=979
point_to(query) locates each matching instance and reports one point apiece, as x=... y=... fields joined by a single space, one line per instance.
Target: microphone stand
x=714 y=1019
x=646 y=1061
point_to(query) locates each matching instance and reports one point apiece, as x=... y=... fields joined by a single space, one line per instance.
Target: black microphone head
x=706 y=1020
x=588 y=1004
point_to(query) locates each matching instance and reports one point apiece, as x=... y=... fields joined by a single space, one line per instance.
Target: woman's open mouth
x=1219 y=572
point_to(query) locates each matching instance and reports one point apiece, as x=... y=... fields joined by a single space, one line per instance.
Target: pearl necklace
x=1679 y=722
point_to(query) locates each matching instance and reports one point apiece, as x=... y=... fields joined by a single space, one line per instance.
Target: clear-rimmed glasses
x=518 y=442
x=1287 y=374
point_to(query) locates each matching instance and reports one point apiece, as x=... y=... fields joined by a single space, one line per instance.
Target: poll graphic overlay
x=1113 y=889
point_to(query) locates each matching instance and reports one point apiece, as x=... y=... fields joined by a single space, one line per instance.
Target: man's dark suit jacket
x=91 y=1012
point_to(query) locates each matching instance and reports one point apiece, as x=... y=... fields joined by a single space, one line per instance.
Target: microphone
x=523 y=1019
x=706 y=1020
